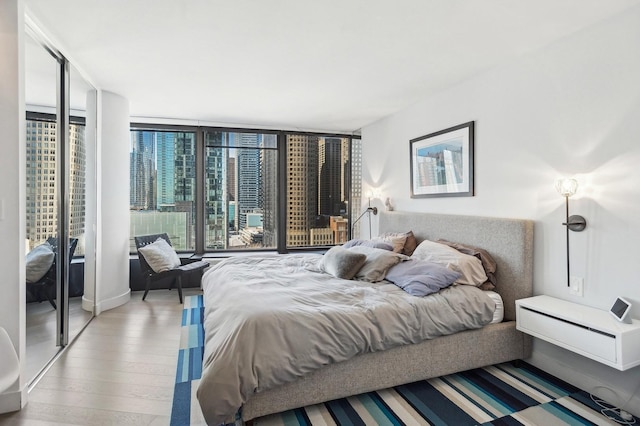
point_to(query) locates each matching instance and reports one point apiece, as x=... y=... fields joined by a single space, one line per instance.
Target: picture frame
x=441 y=163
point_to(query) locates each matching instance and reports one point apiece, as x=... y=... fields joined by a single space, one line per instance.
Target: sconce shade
x=566 y=187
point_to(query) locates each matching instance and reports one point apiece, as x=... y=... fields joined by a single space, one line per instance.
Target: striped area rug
x=500 y=395
x=185 y=410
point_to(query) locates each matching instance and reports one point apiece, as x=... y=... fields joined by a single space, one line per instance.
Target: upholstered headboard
x=509 y=241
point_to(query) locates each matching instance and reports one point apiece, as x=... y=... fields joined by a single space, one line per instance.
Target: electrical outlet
x=576 y=286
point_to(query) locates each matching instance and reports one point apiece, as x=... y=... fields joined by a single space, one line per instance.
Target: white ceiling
x=332 y=65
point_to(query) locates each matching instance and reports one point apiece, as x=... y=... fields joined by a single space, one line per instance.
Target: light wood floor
x=120 y=370
x=41 y=332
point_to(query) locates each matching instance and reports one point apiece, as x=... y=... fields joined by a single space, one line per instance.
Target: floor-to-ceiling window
x=240 y=190
x=216 y=189
x=162 y=185
x=318 y=190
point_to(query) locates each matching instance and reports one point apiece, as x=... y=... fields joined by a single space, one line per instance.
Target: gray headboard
x=509 y=241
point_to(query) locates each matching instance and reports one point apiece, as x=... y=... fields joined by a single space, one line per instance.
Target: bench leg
x=146 y=288
x=179 y=284
x=52 y=302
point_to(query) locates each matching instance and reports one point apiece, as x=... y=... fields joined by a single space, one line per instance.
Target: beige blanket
x=270 y=320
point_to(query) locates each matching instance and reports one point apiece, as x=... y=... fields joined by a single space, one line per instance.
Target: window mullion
x=200 y=190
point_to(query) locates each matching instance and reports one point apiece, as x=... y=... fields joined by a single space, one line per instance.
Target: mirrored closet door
x=60 y=163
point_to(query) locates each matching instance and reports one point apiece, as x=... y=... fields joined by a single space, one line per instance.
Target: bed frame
x=509 y=241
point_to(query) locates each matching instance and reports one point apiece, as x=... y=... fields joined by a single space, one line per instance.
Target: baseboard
x=114 y=302
x=12 y=401
x=87 y=304
x=586 y=374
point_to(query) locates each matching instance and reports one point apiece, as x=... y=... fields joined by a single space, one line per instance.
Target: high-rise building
x=184 y=181
x=332 y=192
x=218 y=221
x=302 y=188
x=270 y=185
x=248 y=176
x=143 y=171
x=354 y=170
x=184 y=167
x=231 y=179
x=77 y=183
x=42 y=186
x=165 y=146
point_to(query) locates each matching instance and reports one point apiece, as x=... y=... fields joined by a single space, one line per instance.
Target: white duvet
x=269 y=320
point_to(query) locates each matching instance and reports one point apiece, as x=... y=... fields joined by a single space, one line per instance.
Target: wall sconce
x=576 y=223
x=370 y=209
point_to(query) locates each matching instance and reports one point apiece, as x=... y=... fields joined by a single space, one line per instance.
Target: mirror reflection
x=51 y=322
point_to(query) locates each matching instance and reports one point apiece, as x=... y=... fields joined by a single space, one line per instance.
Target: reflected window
x=42 y=215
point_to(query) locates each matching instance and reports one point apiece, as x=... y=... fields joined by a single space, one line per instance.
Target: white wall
x=12 y=189
x=91 y=201
x=112 y=236
x=569 y=109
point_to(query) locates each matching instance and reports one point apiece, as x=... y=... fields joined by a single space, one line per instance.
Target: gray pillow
x=160 y=255
x=421 y=278
x=342 y=263
x=38 y=262
x=378 y=263
x=368 y=243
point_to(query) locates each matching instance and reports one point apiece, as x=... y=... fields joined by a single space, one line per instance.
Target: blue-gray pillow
x=421 y=278
x=368 y=243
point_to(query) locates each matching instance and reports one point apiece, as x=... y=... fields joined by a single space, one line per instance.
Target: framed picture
x=442 y=163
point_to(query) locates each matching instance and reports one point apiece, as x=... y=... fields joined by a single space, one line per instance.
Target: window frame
x=281 y=190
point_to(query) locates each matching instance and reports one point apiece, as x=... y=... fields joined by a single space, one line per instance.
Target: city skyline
x=241 y=180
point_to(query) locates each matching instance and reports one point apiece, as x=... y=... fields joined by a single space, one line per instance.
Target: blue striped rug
x=500 y=395
x=185 y=409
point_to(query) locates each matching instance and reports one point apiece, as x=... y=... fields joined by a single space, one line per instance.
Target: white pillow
x=469 y=266
x=498 y=314
x=160 y=255
x=38 y=262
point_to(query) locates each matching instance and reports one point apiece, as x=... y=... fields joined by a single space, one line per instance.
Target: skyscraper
x=270 y=184
x=216 y=209
x=143 y=171
x=248 y=176
x=332 y=191
x=42 y=185
x=165 y=145
x=302 y=188
x=231 y=179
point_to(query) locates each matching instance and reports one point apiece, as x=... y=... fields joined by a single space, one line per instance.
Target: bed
x=510 y=242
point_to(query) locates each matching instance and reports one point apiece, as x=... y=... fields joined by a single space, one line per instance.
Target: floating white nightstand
x=588 y=331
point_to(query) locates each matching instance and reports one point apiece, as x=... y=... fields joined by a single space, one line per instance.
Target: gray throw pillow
x=368 y=243
x=160 y=256
x=377 y=264
x=342 y=263
x=38 y=262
